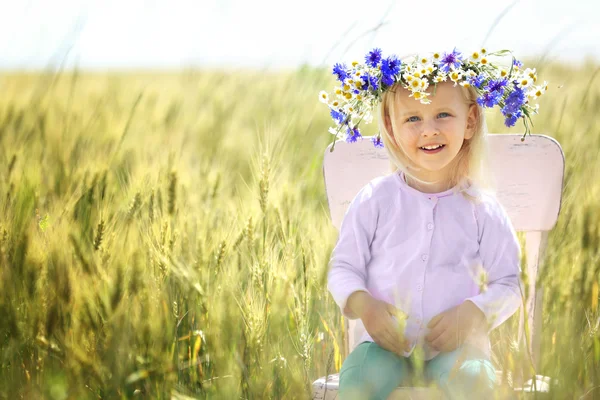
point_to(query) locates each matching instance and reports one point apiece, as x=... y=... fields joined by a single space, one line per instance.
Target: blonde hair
x=469 y=167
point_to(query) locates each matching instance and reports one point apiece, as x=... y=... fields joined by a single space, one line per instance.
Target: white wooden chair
x=529 y=179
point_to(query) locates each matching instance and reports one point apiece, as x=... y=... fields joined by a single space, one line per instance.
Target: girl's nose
x=430 y=129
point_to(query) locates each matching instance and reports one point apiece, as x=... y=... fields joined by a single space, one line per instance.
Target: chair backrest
x=528 y=177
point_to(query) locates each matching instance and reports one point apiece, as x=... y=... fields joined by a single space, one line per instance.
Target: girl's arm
x=347 y=265
x=500 y=253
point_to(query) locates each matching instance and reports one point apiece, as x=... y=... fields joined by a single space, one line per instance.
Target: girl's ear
x=471 y=121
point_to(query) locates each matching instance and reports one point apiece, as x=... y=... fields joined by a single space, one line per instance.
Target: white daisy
x=537 y=91
x=455 y=75
x=416 y=84
x=525 y=82
x=421 y=96
x=530 y=73
x=323 y=97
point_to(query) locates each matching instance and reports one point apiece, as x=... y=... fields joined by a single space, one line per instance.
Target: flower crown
x=362 y=85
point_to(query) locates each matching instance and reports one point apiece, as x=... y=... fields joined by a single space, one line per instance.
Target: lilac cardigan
x=426 y=253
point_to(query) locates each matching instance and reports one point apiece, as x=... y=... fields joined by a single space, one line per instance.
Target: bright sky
x=282 y=33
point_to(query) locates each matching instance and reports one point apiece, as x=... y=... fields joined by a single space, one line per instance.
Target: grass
x=169 y=233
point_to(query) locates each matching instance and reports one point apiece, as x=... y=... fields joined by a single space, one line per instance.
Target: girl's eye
x=414 y=118
x=443 y=115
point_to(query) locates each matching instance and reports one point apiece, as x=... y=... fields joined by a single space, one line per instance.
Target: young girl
x=426 y=258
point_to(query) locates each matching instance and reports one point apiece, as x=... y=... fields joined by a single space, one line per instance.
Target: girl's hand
x=376 y=316
x=450 y=329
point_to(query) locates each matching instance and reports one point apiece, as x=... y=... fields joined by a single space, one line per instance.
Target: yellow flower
x=348 y=95
x=484 y=61
x=338 y=91
x=475 y=56
x=440 y=78
x=436 y=56
x=503 y=73
x=354 y=63
x=483 y=51
x=424 y=60
x=335 y=104
x=346 y=87
x=408 y=78
x=415 y=83
x=465 y=84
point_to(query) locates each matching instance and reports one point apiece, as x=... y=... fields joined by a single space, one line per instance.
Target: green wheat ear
x=401 y=318
x=172 y=192
x=99 y=235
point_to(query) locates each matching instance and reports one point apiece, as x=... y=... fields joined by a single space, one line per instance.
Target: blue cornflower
x=450 y=60
x=373 y=82
x=373 y=57
x=340 y=71
x=352 y=135
x=365 y=79
x=511 y=119
x=369 y=81
x=338 y=116
x=377 y=142
x=477 y=81
x=517 y=63
x=387 y=80
x=514 y=102
x=390 y=67
x=489 y=99
x=496 y=85
x=356 y=91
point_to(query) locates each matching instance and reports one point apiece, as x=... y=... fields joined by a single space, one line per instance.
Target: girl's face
x=447 y=121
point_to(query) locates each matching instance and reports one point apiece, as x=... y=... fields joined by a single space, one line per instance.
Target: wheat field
x=167 y=234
